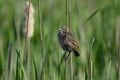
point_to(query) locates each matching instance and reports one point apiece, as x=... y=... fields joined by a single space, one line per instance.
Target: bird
x=67 y=41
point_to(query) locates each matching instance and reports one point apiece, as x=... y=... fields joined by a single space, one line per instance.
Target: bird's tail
x=76 y=53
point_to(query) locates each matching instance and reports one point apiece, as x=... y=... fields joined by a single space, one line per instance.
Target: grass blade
x=107 y=78
x=36 y=76
x=19 y=70
x=9 y=60
x=89 y=60
x=17 y=66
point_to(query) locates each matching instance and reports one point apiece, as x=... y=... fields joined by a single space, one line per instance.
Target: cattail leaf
x=92 y=15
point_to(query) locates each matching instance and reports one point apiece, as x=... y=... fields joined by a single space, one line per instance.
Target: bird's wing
x=72 y=41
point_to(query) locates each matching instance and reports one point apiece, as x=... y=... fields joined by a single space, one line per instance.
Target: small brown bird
x=67 y=41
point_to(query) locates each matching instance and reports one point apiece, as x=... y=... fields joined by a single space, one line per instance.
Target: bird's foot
x=67 y=57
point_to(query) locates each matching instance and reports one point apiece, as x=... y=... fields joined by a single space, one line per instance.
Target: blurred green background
x=98 y=19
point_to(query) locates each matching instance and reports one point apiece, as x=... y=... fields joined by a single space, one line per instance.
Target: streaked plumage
x=67 y=41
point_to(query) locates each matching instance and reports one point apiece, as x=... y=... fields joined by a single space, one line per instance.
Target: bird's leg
x=63 y=57
x=67 y=57
x=65 y=52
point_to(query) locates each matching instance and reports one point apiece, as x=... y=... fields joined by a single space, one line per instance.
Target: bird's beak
x=59 y=29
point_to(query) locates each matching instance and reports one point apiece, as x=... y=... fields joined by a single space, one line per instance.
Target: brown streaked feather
x=73 y=42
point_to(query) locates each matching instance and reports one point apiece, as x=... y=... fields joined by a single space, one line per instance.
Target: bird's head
x=62 y=30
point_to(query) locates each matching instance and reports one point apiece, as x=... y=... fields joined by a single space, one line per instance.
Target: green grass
x=89 y=19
